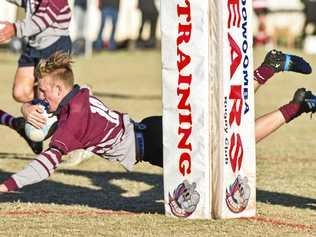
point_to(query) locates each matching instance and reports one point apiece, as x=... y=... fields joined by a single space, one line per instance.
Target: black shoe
x=306 y=99
x=279 y=61
x=37 y=147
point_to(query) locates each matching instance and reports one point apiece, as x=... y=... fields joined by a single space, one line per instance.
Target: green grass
x=98 y=198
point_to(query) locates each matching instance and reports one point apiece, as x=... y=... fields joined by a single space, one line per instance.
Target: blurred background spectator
x=310 y=17
x=308 y=38
x=109 y=10
x=261 y=36
x=278 y=23
x=79 y=18
x=149 y=14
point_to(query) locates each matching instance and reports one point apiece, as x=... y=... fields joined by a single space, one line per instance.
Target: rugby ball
x=40 y=134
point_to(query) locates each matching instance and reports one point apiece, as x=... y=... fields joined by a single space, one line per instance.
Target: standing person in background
x=310 y=16
x=260 y=7
x=80 y=12
x=45 y=29
x=149 y=13
x=109 y=9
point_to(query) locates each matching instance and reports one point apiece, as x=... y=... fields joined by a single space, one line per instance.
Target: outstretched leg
x=268 y=123
x=303 y=102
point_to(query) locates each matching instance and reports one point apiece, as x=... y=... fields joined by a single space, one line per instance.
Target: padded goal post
x=208 y=108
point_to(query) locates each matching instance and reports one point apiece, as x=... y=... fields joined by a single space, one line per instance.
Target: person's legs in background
x=79 y=44
x=303 y=102
x=98 y=44
x=113 y=14
x=141 y=28
x=153 y=27
x=80 y=18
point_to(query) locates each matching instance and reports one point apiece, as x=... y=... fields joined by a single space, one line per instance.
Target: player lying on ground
x=85 y=122
x=45 y=31
x=275 y=61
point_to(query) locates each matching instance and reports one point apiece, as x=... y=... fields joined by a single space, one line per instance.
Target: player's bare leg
x=268 y=123
x=23 y=87
x=303 y=102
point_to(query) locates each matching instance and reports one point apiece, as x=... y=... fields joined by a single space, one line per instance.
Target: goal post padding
x=185 y=34
x=208 y=115
x=231 y=75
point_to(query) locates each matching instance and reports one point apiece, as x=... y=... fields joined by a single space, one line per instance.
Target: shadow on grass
x=108 y=196
x=104 y=195
x=285 y=199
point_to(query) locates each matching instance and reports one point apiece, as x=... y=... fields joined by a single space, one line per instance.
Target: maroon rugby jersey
x=45 y=21
x=84 y=122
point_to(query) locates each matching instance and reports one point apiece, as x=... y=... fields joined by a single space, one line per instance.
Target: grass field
x=98 y=198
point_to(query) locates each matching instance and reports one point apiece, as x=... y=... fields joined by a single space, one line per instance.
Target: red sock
x=290 y=111
x=10 y=184
x=6 y=119
x=262 y=74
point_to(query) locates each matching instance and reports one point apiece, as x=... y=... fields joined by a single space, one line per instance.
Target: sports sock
x=263 y=74
x=290 y=111
x=7 y=119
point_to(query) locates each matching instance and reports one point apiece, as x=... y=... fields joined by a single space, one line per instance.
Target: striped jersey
x=44 y=23
x=84 y=122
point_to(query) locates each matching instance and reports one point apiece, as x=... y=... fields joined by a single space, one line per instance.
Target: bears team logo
x=184 y=200
x=238 y=194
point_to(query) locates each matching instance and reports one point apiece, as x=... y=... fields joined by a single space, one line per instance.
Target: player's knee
x=22 y=93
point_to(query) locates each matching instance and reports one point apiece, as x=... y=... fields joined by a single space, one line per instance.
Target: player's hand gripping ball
x=40 y=134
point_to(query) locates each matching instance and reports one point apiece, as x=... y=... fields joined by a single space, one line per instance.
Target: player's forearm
x=38 y=170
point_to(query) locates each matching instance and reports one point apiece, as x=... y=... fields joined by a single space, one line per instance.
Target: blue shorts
x=30 y=56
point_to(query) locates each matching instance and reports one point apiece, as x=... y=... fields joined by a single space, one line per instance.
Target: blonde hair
x=58 y=66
